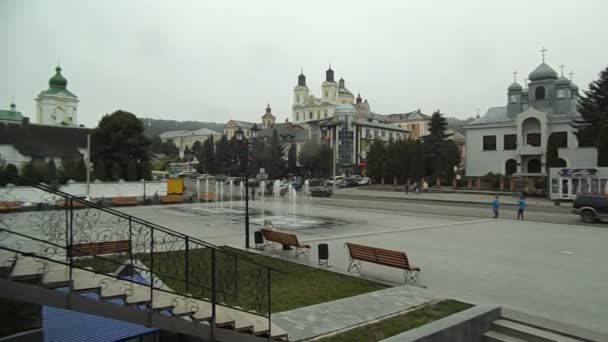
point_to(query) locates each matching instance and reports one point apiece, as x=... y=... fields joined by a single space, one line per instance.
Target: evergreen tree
x=51 y=171
x=222 y=150
x=593 y=106
x=276 y=157
x=99 y=171
x=187 y=151
x=132 y=170
x=434 y=142
x=602 y=147
x=416 y=161
x=292 y=156
x=326 y=161
x=207 y=158
x=11 y=171
x=236 y=155
x=81 y=170
x=145 y=171
x=196 y=147
x=116 y=171
x=393 y=161
x=450 y=158
x=376 y=160
x=310 y=158
x=156 y=144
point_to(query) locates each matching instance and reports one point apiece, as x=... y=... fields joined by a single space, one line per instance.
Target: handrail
x=49 y=189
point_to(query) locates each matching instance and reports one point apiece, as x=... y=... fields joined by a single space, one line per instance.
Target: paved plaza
x=552 y=270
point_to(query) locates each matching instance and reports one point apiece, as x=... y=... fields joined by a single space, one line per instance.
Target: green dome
x=58 y=81
x=543 y=72
x=515 y=87
x=562 y=81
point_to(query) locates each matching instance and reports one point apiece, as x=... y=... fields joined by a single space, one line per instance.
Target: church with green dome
x=57 y=105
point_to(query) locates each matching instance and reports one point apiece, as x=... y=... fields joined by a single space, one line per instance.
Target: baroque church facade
x=57 y=105
x=512 y=139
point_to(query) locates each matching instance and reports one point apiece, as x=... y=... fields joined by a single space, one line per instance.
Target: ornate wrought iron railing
x=53 y=227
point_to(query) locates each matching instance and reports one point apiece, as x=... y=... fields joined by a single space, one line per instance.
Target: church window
x=539 y=93
x=514 y=99
x=310 y=116
x=318 y=114
x=298 y=98
x=297 y=116
x=563 y=93
x=489 y=143
x=325 y=112
x=510 y=141
x=326 y=94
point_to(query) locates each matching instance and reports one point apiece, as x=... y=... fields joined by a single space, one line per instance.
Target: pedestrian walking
x=425 y=186
x=407 y=188
x=495 y=206
x=521 y=205
x=253 y=194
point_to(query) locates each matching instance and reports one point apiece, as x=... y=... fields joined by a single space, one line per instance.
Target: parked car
x=348 y=183
x=206 y=176
x=317 y=188
x=220 y=178
x=364 y=181
x=189 y=174
x=235 y=180
x=591 y=208
x=332 y=180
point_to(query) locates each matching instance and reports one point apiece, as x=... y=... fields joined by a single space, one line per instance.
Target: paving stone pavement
x=320 y=319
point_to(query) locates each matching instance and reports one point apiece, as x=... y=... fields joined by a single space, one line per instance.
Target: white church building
x=512 y=139
x=57 y=105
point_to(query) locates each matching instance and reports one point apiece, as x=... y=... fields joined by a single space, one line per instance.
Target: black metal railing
x=39 y=221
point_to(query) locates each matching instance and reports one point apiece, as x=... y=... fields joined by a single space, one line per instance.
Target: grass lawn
x=398 y=324
x=296 y=286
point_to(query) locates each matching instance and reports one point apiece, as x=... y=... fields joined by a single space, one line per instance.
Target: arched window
x=510 y=167
x=539 y=93
x=534 y=166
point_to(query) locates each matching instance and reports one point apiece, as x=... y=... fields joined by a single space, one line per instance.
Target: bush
x=493 y=179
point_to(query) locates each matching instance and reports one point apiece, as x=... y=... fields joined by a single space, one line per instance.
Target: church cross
x=542 y=51
x=570 y=74
x=514 y=76
x=562 y=69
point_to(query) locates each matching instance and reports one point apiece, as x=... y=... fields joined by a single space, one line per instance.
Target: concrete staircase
x=507 y=330
x=47 y=282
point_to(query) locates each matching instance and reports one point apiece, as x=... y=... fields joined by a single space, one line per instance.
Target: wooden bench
x=286 y=239
x=169 y=199
x=207 y=197
x=386 y=257
x=66 y=203
x=8 y=206
x=124 y=201
x=99 y=248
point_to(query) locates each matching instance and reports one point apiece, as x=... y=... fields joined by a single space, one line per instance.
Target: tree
x=100 y=171
x=145 y=171
x=393 y=161
x=156 y=144
x=326 y=161
x=116 y=171
x=593 y=107
x=35 y=171
x=376 y=160
x=416 y=161
x=132 y=170
x=310 y=158
x=169 y=149
x=222 y=151
x=434 y=142
x=119 y=138
x=196 y=147
x=276 y=152
x=11 y=171
x=206 y=160
x=450 y=156
x=602 y=147
x=187 y=151
x=292 y=159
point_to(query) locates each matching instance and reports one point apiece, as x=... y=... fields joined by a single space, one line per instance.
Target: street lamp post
x=240 y=136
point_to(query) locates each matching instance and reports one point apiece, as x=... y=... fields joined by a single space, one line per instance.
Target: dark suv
x=591 y=208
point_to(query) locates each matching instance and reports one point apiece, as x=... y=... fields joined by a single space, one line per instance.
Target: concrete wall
x=479 y=162
x=97 y=190
x=465 y=326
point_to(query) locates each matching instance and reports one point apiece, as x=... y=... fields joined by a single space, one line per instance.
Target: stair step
x=528 y=333
x=7 y=258
x=28 y=268
x=493 y=336
x=56 y=275
x=85 y=280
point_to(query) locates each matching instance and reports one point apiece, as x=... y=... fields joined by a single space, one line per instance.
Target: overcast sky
x=221 y=60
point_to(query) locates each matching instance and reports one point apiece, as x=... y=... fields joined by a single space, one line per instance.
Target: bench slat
x=381 y=256
x=99 y=248
x=282 y=238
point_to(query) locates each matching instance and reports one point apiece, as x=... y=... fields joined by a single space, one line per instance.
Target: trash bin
x=258 y=238
x=323 y=249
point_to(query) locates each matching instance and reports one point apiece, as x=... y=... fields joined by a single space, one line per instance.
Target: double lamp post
x=248 y=142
